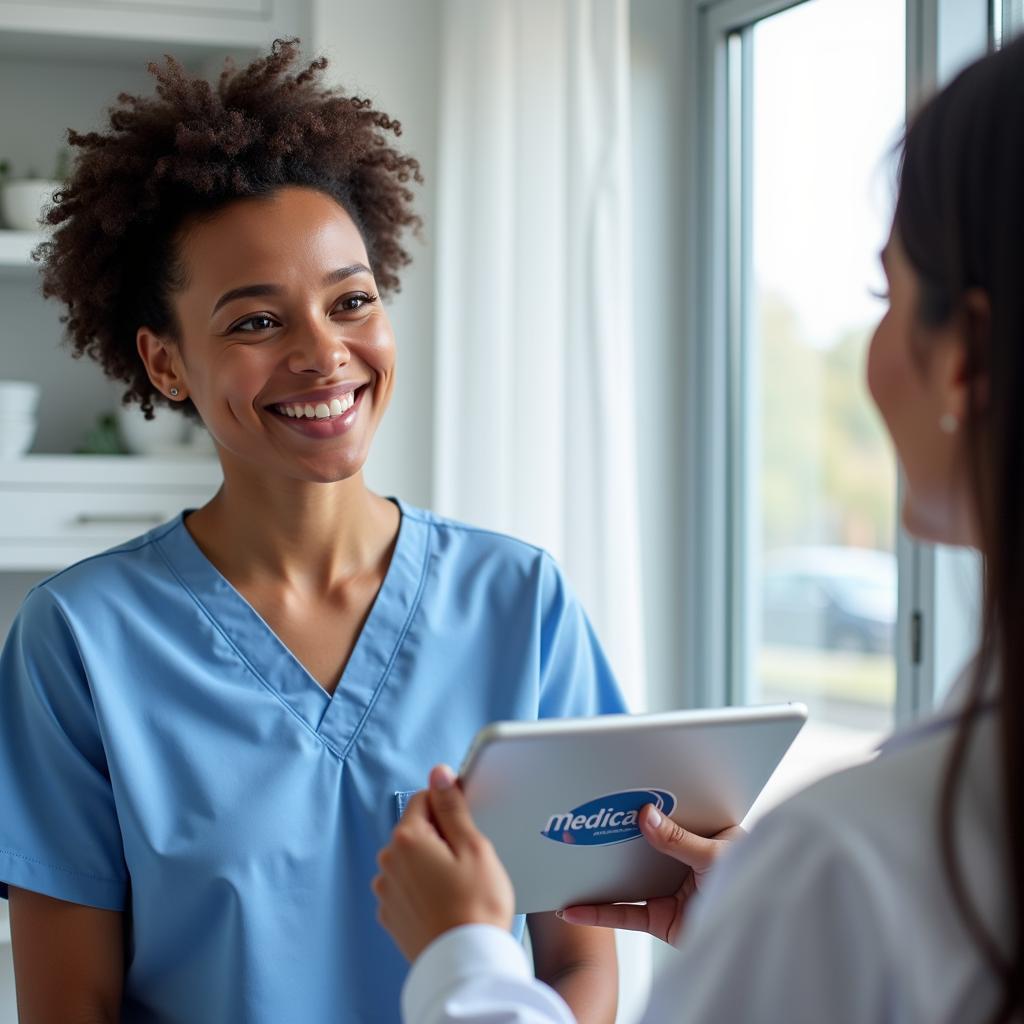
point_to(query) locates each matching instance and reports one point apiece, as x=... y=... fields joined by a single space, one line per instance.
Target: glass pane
x=825 y=108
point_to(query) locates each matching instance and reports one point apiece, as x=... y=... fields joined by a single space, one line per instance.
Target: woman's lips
x=324 y=426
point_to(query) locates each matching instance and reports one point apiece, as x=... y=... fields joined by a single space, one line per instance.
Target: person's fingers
x=450 y=810
x=414 y=838
x=417 y=807
x=609 y=915
x=670 y=838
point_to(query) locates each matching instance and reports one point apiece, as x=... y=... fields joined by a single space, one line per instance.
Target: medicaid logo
x=608 y=819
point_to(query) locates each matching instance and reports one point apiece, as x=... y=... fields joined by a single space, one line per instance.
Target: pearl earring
x=174 y=392
x=948 y=423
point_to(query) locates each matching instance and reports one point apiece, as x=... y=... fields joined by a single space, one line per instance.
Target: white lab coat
x=836 y=910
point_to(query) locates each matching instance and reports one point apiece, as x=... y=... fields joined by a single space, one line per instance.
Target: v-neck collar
x=337 y=719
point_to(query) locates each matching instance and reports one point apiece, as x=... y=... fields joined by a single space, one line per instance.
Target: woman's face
x=285 y=348
x=921 y=394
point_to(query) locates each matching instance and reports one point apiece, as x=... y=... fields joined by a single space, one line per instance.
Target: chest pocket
x=402 y=798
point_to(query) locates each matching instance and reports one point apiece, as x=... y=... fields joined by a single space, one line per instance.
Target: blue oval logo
x=607 y=819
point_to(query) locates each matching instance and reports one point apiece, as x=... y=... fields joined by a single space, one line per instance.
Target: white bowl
x=16 y=435
x=24 y=202
x=160 y=435
x=18 y=398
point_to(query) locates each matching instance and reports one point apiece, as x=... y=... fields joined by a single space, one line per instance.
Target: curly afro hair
x=166 y=160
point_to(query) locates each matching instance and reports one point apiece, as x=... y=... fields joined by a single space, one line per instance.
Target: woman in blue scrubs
x=207 y=734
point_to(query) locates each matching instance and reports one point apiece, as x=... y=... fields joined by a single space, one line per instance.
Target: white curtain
x=534 y=386
x=534 y=380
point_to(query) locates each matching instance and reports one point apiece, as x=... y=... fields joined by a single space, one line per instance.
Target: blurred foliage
x=827 y=470
x=103 y=438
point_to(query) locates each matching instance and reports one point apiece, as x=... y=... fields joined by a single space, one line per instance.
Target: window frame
x=942 y=35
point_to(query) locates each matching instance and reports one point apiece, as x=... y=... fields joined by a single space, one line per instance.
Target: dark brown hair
x=166 y=160
x=960 y=218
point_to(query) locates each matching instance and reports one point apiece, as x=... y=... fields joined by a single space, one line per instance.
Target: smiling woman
x=206 y=734
x=301 y=333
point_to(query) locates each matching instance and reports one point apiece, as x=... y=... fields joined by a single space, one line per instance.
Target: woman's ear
x=162 y=359
x=977 y=328
x=958 y=362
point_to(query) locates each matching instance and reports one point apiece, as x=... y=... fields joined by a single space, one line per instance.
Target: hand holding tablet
x=560 y=798
x=440 y=872
x=662 y=916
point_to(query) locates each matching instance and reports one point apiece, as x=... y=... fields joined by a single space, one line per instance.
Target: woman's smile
x=325 y=413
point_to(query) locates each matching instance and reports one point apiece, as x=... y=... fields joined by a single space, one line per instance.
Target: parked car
x=836 y=598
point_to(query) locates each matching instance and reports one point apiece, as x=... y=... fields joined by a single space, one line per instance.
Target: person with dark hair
x=207 y=734
x=893 y=892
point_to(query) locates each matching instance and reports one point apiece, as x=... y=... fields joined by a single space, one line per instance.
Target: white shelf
x=16 y=249
x=59 y=509
x=72 y=472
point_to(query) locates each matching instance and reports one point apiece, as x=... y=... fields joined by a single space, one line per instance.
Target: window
x=810 y=134
x=803 y=585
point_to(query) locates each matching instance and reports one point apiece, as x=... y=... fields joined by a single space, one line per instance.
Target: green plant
x=103 y=438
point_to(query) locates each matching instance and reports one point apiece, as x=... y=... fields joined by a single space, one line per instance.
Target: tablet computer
x=559 y=798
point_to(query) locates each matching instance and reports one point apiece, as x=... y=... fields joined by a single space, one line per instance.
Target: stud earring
x=948 y=423
x=174 y=392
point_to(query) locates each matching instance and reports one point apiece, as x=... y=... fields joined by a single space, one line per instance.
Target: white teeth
x=322 y=410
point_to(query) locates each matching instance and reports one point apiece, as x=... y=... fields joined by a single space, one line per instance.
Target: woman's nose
x=319 y=349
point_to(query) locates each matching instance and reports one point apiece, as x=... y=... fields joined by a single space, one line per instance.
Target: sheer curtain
x=534 y=378
x=535 y=382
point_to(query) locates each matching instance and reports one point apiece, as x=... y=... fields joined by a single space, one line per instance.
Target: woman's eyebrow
x=248 y=291
x=342 y=272
x=245 y=292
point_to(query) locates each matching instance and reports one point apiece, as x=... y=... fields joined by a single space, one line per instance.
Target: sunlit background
x=828 y=105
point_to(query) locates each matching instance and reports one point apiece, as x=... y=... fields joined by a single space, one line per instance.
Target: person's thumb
x=670 y=838
x=449 y=808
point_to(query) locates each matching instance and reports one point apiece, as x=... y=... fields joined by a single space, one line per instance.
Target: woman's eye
x=882 y=295
x=260 y=322
x=350 y=303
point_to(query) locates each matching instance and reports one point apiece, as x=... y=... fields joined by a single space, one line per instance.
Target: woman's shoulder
x=456 y=538
x=850 y=867
x=903 y=782
x=876 y=821
x=88 y=581
x=875 y=826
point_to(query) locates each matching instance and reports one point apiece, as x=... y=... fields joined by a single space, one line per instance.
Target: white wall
x=390 y=52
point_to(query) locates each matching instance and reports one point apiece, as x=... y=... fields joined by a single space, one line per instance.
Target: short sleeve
x=788 y=921
x=575 y=677
x=59 y=833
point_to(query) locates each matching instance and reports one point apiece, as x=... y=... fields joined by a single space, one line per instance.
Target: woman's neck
x=310 y=535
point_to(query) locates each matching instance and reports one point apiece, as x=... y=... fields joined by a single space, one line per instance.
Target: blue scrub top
x=163 y=753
